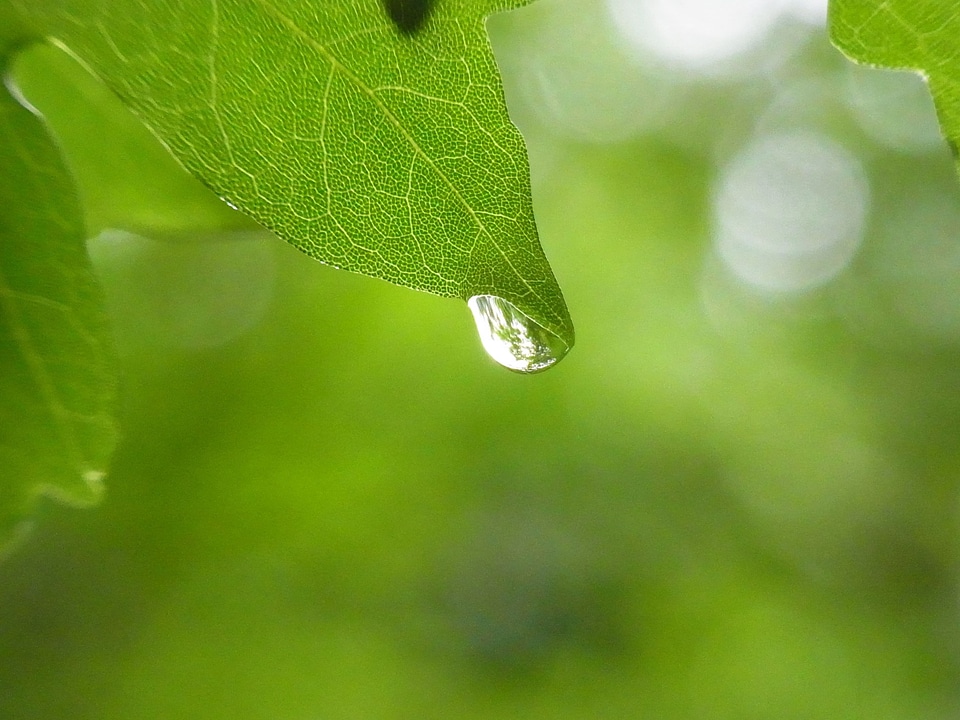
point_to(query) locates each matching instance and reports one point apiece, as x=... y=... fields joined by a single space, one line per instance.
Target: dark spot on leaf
x=408 y=15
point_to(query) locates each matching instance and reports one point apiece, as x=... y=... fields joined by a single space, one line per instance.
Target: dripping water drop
x=512 y=338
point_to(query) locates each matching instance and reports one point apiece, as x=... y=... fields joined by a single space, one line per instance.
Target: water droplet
x=512 y=338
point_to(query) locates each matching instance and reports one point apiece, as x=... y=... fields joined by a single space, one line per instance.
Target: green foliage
x=916 y=35
x=730 y=504
x=56 y=361
x=382 y=150
x=125 y=178
x=370 y=150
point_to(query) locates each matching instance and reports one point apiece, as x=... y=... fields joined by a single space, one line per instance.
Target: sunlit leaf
x=379 y=149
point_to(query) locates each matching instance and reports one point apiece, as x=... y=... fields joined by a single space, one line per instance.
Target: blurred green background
x=736 y=498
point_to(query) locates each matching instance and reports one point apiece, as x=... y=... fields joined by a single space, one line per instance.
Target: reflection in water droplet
x=512 y=338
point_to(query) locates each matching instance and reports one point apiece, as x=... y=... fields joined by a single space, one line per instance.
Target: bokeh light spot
x=575 y=76
x=812 y=12
x=790 y=210
x=190 y=295
x=694 y=33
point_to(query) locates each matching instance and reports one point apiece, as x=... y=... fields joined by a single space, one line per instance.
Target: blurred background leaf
x=738 y=499
x=57 y=361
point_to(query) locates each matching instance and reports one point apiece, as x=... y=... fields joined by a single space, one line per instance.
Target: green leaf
x=920 y=35
x=376 y=149
x=56 y=362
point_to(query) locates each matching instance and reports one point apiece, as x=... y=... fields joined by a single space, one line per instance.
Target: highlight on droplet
x=513 y=338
